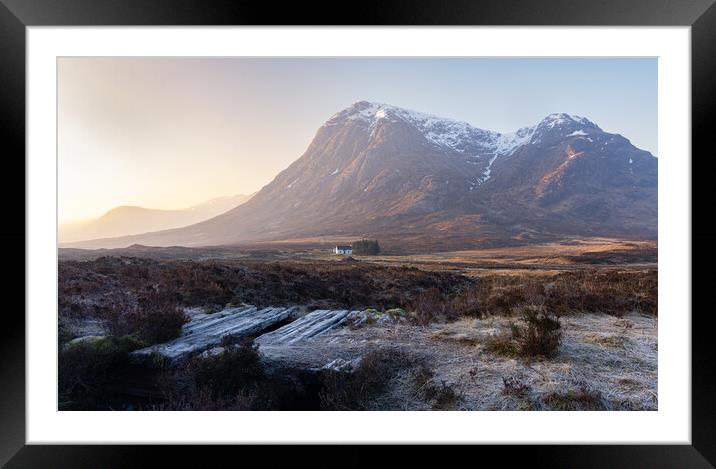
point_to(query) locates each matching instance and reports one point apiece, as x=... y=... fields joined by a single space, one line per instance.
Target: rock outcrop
x=311 y=325
x=205 y=331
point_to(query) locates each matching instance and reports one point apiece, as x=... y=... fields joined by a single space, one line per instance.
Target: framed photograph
x=469 y=223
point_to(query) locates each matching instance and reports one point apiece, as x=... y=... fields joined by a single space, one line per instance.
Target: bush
x=85 y=367
x=236 y=369
x=428 y=305
x=465 y=303
x=159 y=322
x=153 y=321
x=228 y=380
x=356 y=390
x=368 y=247
x=541 y=336
x=431 y=304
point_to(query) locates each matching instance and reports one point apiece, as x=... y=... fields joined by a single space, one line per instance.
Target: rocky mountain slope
x=407 y=177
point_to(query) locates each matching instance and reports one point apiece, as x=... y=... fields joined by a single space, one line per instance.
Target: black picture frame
x=16 y=15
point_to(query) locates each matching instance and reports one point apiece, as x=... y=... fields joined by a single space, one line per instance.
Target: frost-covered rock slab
x=343 y=365
x=311 y=325
x=205 y=331
x=84 y=339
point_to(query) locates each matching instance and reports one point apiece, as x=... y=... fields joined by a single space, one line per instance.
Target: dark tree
x=366 y=247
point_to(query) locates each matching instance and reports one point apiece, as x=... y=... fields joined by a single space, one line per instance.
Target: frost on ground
x=604 y=363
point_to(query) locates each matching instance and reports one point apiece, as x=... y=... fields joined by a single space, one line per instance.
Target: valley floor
x=413 y=332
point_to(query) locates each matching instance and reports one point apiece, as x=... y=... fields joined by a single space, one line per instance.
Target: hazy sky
x=170 y=133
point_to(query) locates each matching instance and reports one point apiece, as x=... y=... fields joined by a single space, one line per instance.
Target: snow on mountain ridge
x=458 y=136
x=559 y=118
x=455 y=135
x=508 y=142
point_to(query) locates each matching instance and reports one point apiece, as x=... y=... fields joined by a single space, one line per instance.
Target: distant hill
x=159 y=253
x=383 y=172
x=131 y=220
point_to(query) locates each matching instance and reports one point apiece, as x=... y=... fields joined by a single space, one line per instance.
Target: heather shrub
x=428 y=305
x=582 y=291
x=580 y=399
x=356 y=389
x=276 y=283
x=85 y=367
x=159 y=322
x=541 y=334
x=153 y=321
x=466 y=302
x=228 y=380
x=225 y=374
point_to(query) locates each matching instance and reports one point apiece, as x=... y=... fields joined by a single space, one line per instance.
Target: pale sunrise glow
x=173 y=132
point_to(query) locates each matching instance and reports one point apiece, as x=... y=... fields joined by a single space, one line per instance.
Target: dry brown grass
x=465 y=338
x=579 y=251
x=585 y=291
x=607 y=340
x=579 y=399
x=502 y=344
x=89 y=288
x=438 y=394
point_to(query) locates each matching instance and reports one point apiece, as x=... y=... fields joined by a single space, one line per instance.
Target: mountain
x=412 y=178
x=130 y=220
